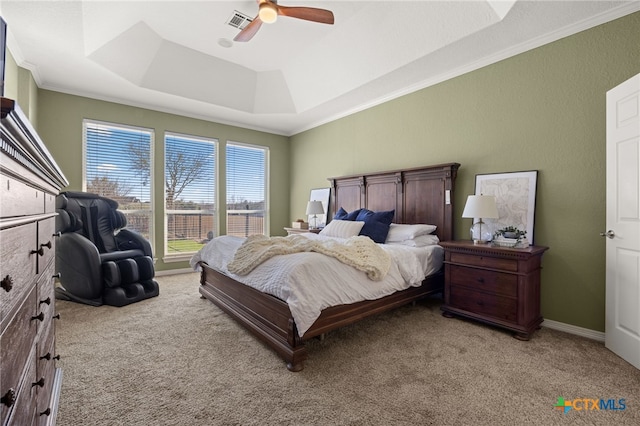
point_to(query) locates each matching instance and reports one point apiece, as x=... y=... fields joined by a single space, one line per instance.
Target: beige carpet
x=178 y=360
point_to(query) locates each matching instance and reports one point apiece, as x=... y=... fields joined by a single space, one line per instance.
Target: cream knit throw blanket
x=360 y=252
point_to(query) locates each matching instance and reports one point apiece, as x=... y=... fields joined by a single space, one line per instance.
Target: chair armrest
x=78 y=262
x=130 y=240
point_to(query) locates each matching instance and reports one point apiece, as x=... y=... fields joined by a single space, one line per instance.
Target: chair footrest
x=127 y=271
x=125 y=295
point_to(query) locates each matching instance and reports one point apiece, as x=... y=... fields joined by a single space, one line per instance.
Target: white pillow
x=342 y=228
x=401 y=232
x=419 y=241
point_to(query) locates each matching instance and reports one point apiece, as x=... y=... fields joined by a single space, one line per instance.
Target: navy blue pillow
x=342 y=214
x=376 y=224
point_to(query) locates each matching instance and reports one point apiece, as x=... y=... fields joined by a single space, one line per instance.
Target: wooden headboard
x=418 y=195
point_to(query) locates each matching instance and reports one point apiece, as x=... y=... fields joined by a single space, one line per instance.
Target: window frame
x=177 y=257
x=267 y=213
x=88 y=121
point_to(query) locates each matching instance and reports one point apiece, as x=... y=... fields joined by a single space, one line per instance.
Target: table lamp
x=480 y=206
x=314 y=208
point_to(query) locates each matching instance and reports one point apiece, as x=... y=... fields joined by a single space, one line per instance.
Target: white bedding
x=310 y=282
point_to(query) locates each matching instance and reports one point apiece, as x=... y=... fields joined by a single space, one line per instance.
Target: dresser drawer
x=46 y=300
x=510 y=265
x=16 y=344
x=46 y=369
x=46 y=348
x=503 y=308
x=488 y=281
x=46 y=243
x=24 y=410
x=18 y=266
x=49 y=203
x=19 y=199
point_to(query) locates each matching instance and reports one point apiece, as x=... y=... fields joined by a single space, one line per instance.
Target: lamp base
x=481 y=233
x=480 y=242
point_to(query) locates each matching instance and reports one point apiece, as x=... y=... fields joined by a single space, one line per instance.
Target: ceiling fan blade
x=249 y=31
x=307 y=13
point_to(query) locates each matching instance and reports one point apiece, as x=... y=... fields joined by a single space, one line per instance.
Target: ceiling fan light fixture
x=268 y=12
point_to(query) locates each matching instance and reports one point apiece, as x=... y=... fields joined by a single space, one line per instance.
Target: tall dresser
x=30 y=381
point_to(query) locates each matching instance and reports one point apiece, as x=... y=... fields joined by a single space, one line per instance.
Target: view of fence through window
x=117 y=164
x=246 y=189
x=190 y=192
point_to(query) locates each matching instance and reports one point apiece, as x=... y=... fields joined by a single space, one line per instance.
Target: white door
x=622 y=326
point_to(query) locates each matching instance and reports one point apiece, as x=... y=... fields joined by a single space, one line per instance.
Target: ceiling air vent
x=239 y=20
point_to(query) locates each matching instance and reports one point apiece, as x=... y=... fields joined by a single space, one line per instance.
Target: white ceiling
x=293 y=75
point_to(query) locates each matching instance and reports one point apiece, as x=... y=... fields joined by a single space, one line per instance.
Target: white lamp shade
x=482 y=206
x=315 y=207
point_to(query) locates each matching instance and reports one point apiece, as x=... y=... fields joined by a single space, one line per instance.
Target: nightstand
x=495 y=285
x=291 y=231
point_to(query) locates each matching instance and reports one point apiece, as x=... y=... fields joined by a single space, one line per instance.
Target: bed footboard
x=266 y=316
x=270 y=319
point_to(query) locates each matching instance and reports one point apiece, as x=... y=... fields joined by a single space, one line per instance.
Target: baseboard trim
x=174 y=272
x=573 y=329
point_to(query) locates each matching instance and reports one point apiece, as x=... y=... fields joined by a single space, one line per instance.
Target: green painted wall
x=542 y=110
x=10 y=77
x=60 y=125
x=21 y=86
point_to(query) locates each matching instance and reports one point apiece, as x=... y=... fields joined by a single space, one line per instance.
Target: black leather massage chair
x=98 y=265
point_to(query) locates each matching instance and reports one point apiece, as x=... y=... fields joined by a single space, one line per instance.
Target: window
x=117 y=161
x=190 y=193
x=247 y=211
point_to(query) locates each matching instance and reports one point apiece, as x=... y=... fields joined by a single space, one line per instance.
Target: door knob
x=609 y=234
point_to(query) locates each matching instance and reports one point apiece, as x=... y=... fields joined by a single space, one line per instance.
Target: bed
x=418 y=196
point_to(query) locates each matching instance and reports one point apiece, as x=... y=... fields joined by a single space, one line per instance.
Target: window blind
x=246 y=180
x=117 y=165
x=190 y=193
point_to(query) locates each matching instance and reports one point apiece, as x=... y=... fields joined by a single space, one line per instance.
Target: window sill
x=172 y=258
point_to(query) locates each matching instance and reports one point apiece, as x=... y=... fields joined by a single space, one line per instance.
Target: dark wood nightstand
x=300 y=231
x=495 y=285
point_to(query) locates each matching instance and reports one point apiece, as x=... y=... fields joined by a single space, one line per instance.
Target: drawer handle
x=481 y=280
x=38 y=383
x=46 y=301
x=7 y=283
x=9 y=398
x=48 y=357
x=40 y=251
x=57 y=275
x=56 y=316
x=39 y=317
x=46 y=412
x=57 y=234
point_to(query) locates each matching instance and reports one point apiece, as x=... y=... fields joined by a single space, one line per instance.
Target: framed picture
x=323 y=195
x=515 y=194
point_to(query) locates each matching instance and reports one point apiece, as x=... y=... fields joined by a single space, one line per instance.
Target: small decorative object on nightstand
x=510 y=236
x=495 y=285
x=300 y=224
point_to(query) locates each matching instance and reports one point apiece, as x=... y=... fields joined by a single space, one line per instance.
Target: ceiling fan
x=269 y=11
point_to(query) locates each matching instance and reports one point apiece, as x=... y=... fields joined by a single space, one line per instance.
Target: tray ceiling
x=179 y=56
